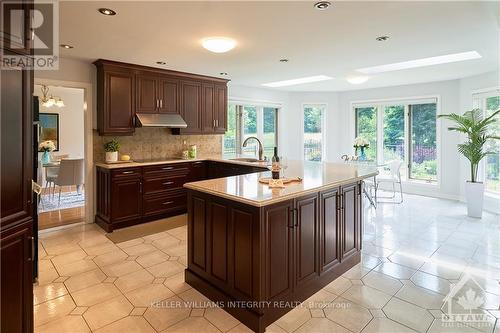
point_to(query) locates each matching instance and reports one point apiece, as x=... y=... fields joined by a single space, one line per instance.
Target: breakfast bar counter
x=258 y=251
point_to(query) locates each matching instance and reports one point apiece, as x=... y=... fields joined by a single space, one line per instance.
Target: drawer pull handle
x=168 y=183
x=197 y=162
x=127 y=172
x=168 y=203
x=167 y=168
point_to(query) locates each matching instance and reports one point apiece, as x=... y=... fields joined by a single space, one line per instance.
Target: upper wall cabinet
x=125 y=89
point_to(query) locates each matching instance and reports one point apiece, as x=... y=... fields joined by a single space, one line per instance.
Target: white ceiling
x=334 y=42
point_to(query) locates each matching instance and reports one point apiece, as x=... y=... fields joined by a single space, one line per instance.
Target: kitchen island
x=259 y=252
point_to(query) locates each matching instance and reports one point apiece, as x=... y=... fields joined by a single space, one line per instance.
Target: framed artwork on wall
x=49 y=123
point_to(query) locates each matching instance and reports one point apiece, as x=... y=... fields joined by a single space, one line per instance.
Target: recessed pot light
x=107 y=11
x=284 y=60
x=382 y=38
x=218 y=44
x=161 y=62
x=322 y=5
x=66 y=46
x=357 y=79
x=223 y=73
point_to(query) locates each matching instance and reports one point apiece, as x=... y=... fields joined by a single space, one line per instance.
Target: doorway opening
x=61 y=155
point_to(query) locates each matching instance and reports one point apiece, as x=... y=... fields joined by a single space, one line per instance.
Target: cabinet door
x=278 y=247
x=117 y=112
x=126 y=199
x=191 y=106
x=208 y=119
x=16 y=248
x=198 y=171
x=306 y=239
x=329 y=229
x=220 y=109
x=147 y=100
x=169 y=95
x=349 y=226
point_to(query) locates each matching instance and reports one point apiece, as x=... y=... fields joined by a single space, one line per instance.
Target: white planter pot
x=112 y=156
x=474 y=194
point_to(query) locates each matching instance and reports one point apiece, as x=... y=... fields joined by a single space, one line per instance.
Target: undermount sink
x=247 y=159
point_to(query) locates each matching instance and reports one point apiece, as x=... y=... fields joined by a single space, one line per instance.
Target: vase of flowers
x=111 y=148
x=46 y=147
x=361 y=144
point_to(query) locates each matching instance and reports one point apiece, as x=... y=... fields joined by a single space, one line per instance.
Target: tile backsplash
x=157 y=143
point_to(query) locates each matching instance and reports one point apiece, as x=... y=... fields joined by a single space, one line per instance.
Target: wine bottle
x=275 y=168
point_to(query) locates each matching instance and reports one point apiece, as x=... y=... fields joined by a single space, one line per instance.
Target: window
x=490 y=168
x=313 y=133
x=244 y=121
x=404 y=131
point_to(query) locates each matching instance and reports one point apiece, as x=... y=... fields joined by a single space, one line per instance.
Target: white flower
x=361 y=142
x=47 y=146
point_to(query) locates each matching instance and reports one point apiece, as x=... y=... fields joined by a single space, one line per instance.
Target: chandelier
x=50 y=101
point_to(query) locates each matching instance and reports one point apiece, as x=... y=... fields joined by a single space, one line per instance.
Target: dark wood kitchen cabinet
x=126 y=89
x=282 y=252
x=126 y=198
x=16 y=207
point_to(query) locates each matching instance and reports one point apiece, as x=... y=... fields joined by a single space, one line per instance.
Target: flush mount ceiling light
x=301 y=80
x=382 y=38
x=218 y=44
x=66 y=46
x=357 y=79
x=223 y=73
x=444 y=59
x=284 y=60
x=107 y=11
x=322 y=5
x=161 y=62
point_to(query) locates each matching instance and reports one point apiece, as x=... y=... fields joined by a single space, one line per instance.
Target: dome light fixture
x=107 y=11
x=218 y=44
x=284 y=60
x=223 y=73
x=66 y=46
x=322 y=5
x=161 y=63
x=382 y=38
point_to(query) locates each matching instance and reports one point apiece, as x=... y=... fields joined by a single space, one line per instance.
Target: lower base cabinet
x=278 y=255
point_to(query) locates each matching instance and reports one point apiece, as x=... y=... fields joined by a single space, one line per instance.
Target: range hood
x=168 y=120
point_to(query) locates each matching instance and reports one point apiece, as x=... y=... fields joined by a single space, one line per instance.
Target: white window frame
x=380 y=104
x=323 y=132
x=478 y=98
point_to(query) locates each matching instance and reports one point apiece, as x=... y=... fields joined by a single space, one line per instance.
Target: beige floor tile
x=76 y=268
x=148 y=294
x=192 y=324
x=431 y=282
x=348 y=314
x=195 y=297
x=53 y=309
x=179 y=232
x=134 y=280
x=220 y=319
x=153 y=258
x=438 y=326
x=84 y=280
x=166 y=242
x=405 y=260
x=61 y=279
x=99 y=249
x=79 y=310
x=408 y=314
x=44 y=265
x=369 y=262
x=367 y=297
x=138 y=311
x=317 y=313
x=377 y=313
x=178 y=250
x=139 y=249
x=110 y=258
x=102 y=314
x=339 y=285
x=47 y=276
x=73 y=324
x=319 y=300
x=357 y=272
x=197 y=312
x=133 y=324
x=243 y=329
x=64 y=259
x=156 y=236
x=48 y=292
x=95 y=294
x=166 y=269
x=395 y=270
x=419 y=296
x=58 y=248
x=385 y=325
x=382 y=282
x=176 y=283
x=441 y=270
x=183 y=261
x=321 y=325
x=122 y=268
x=129 y=243
x=294 y=319
x=167 y=314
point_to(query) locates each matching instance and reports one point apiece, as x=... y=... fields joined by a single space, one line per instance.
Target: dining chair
x=51 y=173
x=393 y=177
x=71 y=172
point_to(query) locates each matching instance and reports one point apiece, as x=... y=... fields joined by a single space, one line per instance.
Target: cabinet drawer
x=164 y=203
x=165 y=183
x=155 y=170
x=126 y=172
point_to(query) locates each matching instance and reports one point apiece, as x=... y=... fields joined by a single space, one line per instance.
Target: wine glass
x=284 y=164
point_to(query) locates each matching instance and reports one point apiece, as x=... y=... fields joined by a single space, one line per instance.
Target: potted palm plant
x=111 y=148
x=478 y=131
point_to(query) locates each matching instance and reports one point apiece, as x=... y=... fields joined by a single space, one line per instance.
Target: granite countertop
x=315 y=177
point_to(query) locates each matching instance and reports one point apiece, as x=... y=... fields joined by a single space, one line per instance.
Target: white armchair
x=393 y=177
